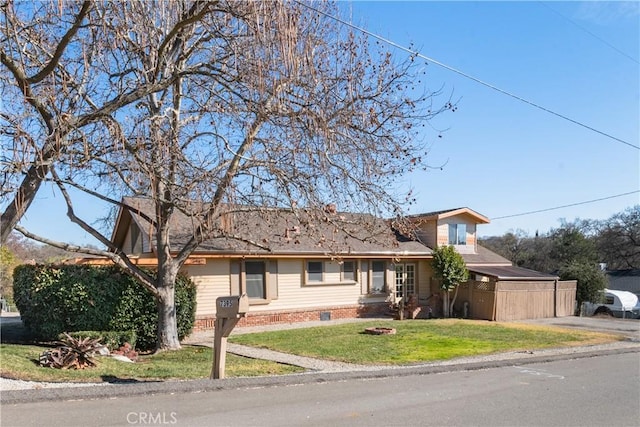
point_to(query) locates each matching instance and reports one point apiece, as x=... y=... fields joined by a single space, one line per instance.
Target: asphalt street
x=595 y=391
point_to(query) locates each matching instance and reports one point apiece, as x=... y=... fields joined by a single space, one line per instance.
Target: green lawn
x=416 y=340
x=192 y=362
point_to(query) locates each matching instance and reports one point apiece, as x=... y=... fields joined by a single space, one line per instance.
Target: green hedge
x=68 y=298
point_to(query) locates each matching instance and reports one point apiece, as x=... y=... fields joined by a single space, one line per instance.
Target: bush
x=591 y=280
x=68 y=298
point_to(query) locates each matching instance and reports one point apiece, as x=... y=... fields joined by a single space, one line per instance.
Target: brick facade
x=295 y=316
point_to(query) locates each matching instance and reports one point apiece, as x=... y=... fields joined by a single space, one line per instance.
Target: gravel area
x=9 y=384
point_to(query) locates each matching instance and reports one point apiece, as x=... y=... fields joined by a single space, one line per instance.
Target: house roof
x=284 y=232
x=511 y=272
x=484 y=256
x=436 y=215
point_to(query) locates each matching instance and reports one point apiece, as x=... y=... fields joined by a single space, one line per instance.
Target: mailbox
x=232 y=307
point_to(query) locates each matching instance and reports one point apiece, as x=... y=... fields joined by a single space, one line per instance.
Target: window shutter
x=272 y=283
x=234 y=267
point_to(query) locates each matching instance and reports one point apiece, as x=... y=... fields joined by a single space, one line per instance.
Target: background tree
x=591 y=280
x=449 y=267
x=618 y=240
x=570 y=251
x=570 y=244
x=8 y=262
x=207 y=109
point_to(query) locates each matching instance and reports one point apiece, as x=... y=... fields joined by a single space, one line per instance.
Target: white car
x=622 y=304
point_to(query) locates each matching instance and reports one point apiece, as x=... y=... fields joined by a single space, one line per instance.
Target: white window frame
x=408 y=279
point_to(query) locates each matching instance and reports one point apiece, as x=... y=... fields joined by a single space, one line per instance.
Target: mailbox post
x=229 y=310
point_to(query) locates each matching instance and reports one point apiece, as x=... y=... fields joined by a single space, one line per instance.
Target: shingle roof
x=286 y=232
x=484 y=256
x=511 y=273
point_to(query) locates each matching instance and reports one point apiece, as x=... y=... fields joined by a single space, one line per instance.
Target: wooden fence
x=517 y=300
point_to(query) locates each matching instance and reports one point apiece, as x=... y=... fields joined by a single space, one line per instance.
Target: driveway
x=627 y=327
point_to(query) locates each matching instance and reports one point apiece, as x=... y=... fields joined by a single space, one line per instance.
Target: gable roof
x=436 y=215
x=283 y=231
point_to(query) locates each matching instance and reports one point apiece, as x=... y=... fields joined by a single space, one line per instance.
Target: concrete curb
x=204 y=385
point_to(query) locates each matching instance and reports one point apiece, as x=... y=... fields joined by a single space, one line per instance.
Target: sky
x=498 y=155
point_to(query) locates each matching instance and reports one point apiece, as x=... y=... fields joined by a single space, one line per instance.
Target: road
x=595 y=391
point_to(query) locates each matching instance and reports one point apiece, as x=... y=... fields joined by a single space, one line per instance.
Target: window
x=348 y=271
x=457 y=234
x=378 y=274
x=136 y=243
x=255 y=279
x=314 y=271
x=405 y=280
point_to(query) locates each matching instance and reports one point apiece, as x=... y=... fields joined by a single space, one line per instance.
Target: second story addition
x=456 y=227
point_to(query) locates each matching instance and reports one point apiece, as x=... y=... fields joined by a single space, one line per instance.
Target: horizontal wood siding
x=425 y=272
x=212 y=281
x=428 y=233
x=293 y=294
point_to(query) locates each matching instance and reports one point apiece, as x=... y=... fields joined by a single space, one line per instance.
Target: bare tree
x=618 y=239
x=207 y=108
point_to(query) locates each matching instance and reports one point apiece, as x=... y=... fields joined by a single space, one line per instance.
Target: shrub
x=72 y=353
x=56 y=299
x=111 y=339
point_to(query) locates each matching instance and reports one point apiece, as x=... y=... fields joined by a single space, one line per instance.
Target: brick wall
x=271 y=317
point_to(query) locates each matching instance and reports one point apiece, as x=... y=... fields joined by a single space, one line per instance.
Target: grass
x=417 y=341
x=192 y=362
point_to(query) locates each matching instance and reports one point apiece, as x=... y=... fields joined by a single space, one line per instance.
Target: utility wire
x=566 y=206
x=463 y=74
x=589 y=32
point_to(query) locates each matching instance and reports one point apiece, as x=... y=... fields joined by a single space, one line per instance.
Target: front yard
x=415 y=341
x=418 y=341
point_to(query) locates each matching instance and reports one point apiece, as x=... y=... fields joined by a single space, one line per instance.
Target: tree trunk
x=455 y=295
x=445 y=304
x=167 y=316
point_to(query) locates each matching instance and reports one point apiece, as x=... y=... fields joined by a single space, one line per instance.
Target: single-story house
x=347 y=265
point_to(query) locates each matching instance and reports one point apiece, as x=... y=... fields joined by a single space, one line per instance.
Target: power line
x=589 y=32
x=463 y=74
x=566 y=206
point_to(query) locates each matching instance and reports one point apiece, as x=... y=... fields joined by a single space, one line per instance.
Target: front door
x=405 y=280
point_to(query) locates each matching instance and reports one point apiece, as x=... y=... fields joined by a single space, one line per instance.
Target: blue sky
x=500 y=156
x=503 y=156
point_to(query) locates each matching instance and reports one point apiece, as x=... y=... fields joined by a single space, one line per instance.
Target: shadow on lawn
x=12 y=331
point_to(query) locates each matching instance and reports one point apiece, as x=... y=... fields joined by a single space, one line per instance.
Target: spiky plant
x=72 y=353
